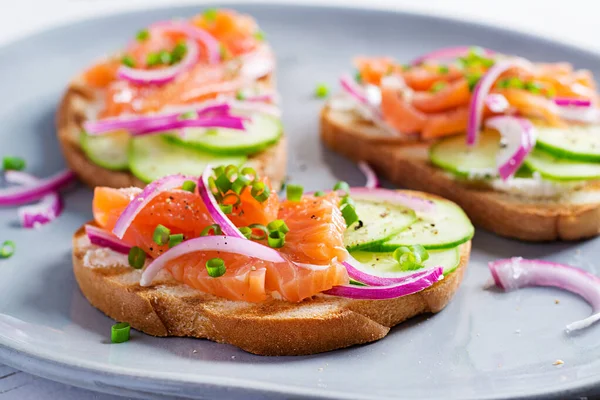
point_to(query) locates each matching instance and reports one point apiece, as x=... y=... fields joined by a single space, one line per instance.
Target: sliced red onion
x=257 y=64
x=356 y=271
x=482 y=90
x=142 y=122
x=372 y=181
x=449 y=53
x=227 y=244
x=496 y=102
x=228 y=227
x=102 y=238
x=392 y=196
x=141 y=200
x=409 y=286
x=161 y=76
x=254 y=106
x=210 y=44
x=25 y=194
x=585 y=114
x=221 y=121
x=353 y=89
x=35 y=215
x=519 y=135
x=516 y=272
x=572 y=102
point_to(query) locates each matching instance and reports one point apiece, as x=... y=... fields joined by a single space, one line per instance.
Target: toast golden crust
x=277 y=328
x=407 y=165
x=71 y=114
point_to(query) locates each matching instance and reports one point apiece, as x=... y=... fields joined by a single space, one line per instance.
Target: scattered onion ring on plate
x=448 y=53
x=370 y=175
x=102 y=238
x=161 y=76
x=143 y=199
x=482 y=90
x=228 y=227
x=516 y=272
x=414 y=284
x=47 y=210
x=25 y=194
x=227 y=244
x=519 y=135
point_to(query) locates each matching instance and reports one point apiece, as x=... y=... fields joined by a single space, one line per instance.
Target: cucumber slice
x=262 y=132
x=153 y=156
x=446 y=227
x=108 y=151
x=576 y=142
x=384 y=264
x=560 y=169
x=378 y=222
x=453 y=155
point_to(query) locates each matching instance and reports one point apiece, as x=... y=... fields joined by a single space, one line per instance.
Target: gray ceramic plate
x=486 y=344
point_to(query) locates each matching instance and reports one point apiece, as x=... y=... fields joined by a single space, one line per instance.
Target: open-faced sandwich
x=224 y=258
x=515 y=143
x=181 y=94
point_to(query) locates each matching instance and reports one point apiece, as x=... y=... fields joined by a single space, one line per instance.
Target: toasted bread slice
x=80 y=101
x=406 y=163
x=170 y=308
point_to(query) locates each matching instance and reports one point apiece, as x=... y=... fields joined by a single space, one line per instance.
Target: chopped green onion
x=240 y=184
x=321 y=91
x=175 y=239
x=349 y=214
x=226 y=208
x=260 y=192
x=128 y=61
x=7 y=249
x=161 y=235
x=153 y=59
x=13 y=163
x=211 y=131
x=136 y=257
x=276 y=239
x=165 y=57
x=215 y=267
x=319 y=193
x=406 y=67
x=143 y=35
x=443 y=69
x=189 y=186
x=210 y=14
x=260 y=36
x=231 y=171
x=249 y=171
x=261 y=228
x=347 y=200
x=220 y=170
x=294 y=192
x=240 y=95
x=533 y=87
x=438 y=86
x=410 y=257
x=178 y=52
x=223 y=183
x=223 y=52
x=511 y=83
x=214 y=228
x=278 y=225
x=420 y=252
x=119 y=333
x=246 y=231
x=229 y=196
x=358 y=77
x=473 y=80
x=341 y=185
x=356 y=283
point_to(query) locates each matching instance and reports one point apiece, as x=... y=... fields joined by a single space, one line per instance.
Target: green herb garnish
x=210 y=14
x=438 y=86
x=153 y=59
x=278 y=225
x=343 y=186
x=276 y=239
x=178 y=52
x=443 y=69
x=7 y=249
x=410 y=257
x=260 y=192
x=136 y=257
x=319 y=193
x=13 y=163
x=294 y=192
x=264 y=232
x=226 y=208
x=214 y=229
x=349 y=214
x=473 y=80
x=119 y=333
x=161 y=235
x=128 y=61
x=321 y=91
x=189 y=186
x=215 y=267
x=175 y=239
x=143 y=35
x=246 y=231
x=260 y=36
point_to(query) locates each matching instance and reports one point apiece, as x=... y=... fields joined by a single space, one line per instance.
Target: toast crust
x=72 y=112
x=274 y=328
x=407 y=165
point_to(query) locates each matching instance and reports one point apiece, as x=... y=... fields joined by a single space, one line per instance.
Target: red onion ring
x=407 y=287
x=35 y=215
x=516 y=272
x=496 y=102
x=102 y=238
x=228 y=227
x=356 y=272
x=144 y=198
x=26 y=194
x=352 y=88
x=227 y=244
x=210 y=43
x=372 y=181
x=226 y=121
x=482 y=89
x=162 y=75
x=448 y=53
x=520 y=137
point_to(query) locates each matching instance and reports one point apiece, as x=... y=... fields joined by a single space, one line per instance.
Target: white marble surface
x=573 y=21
